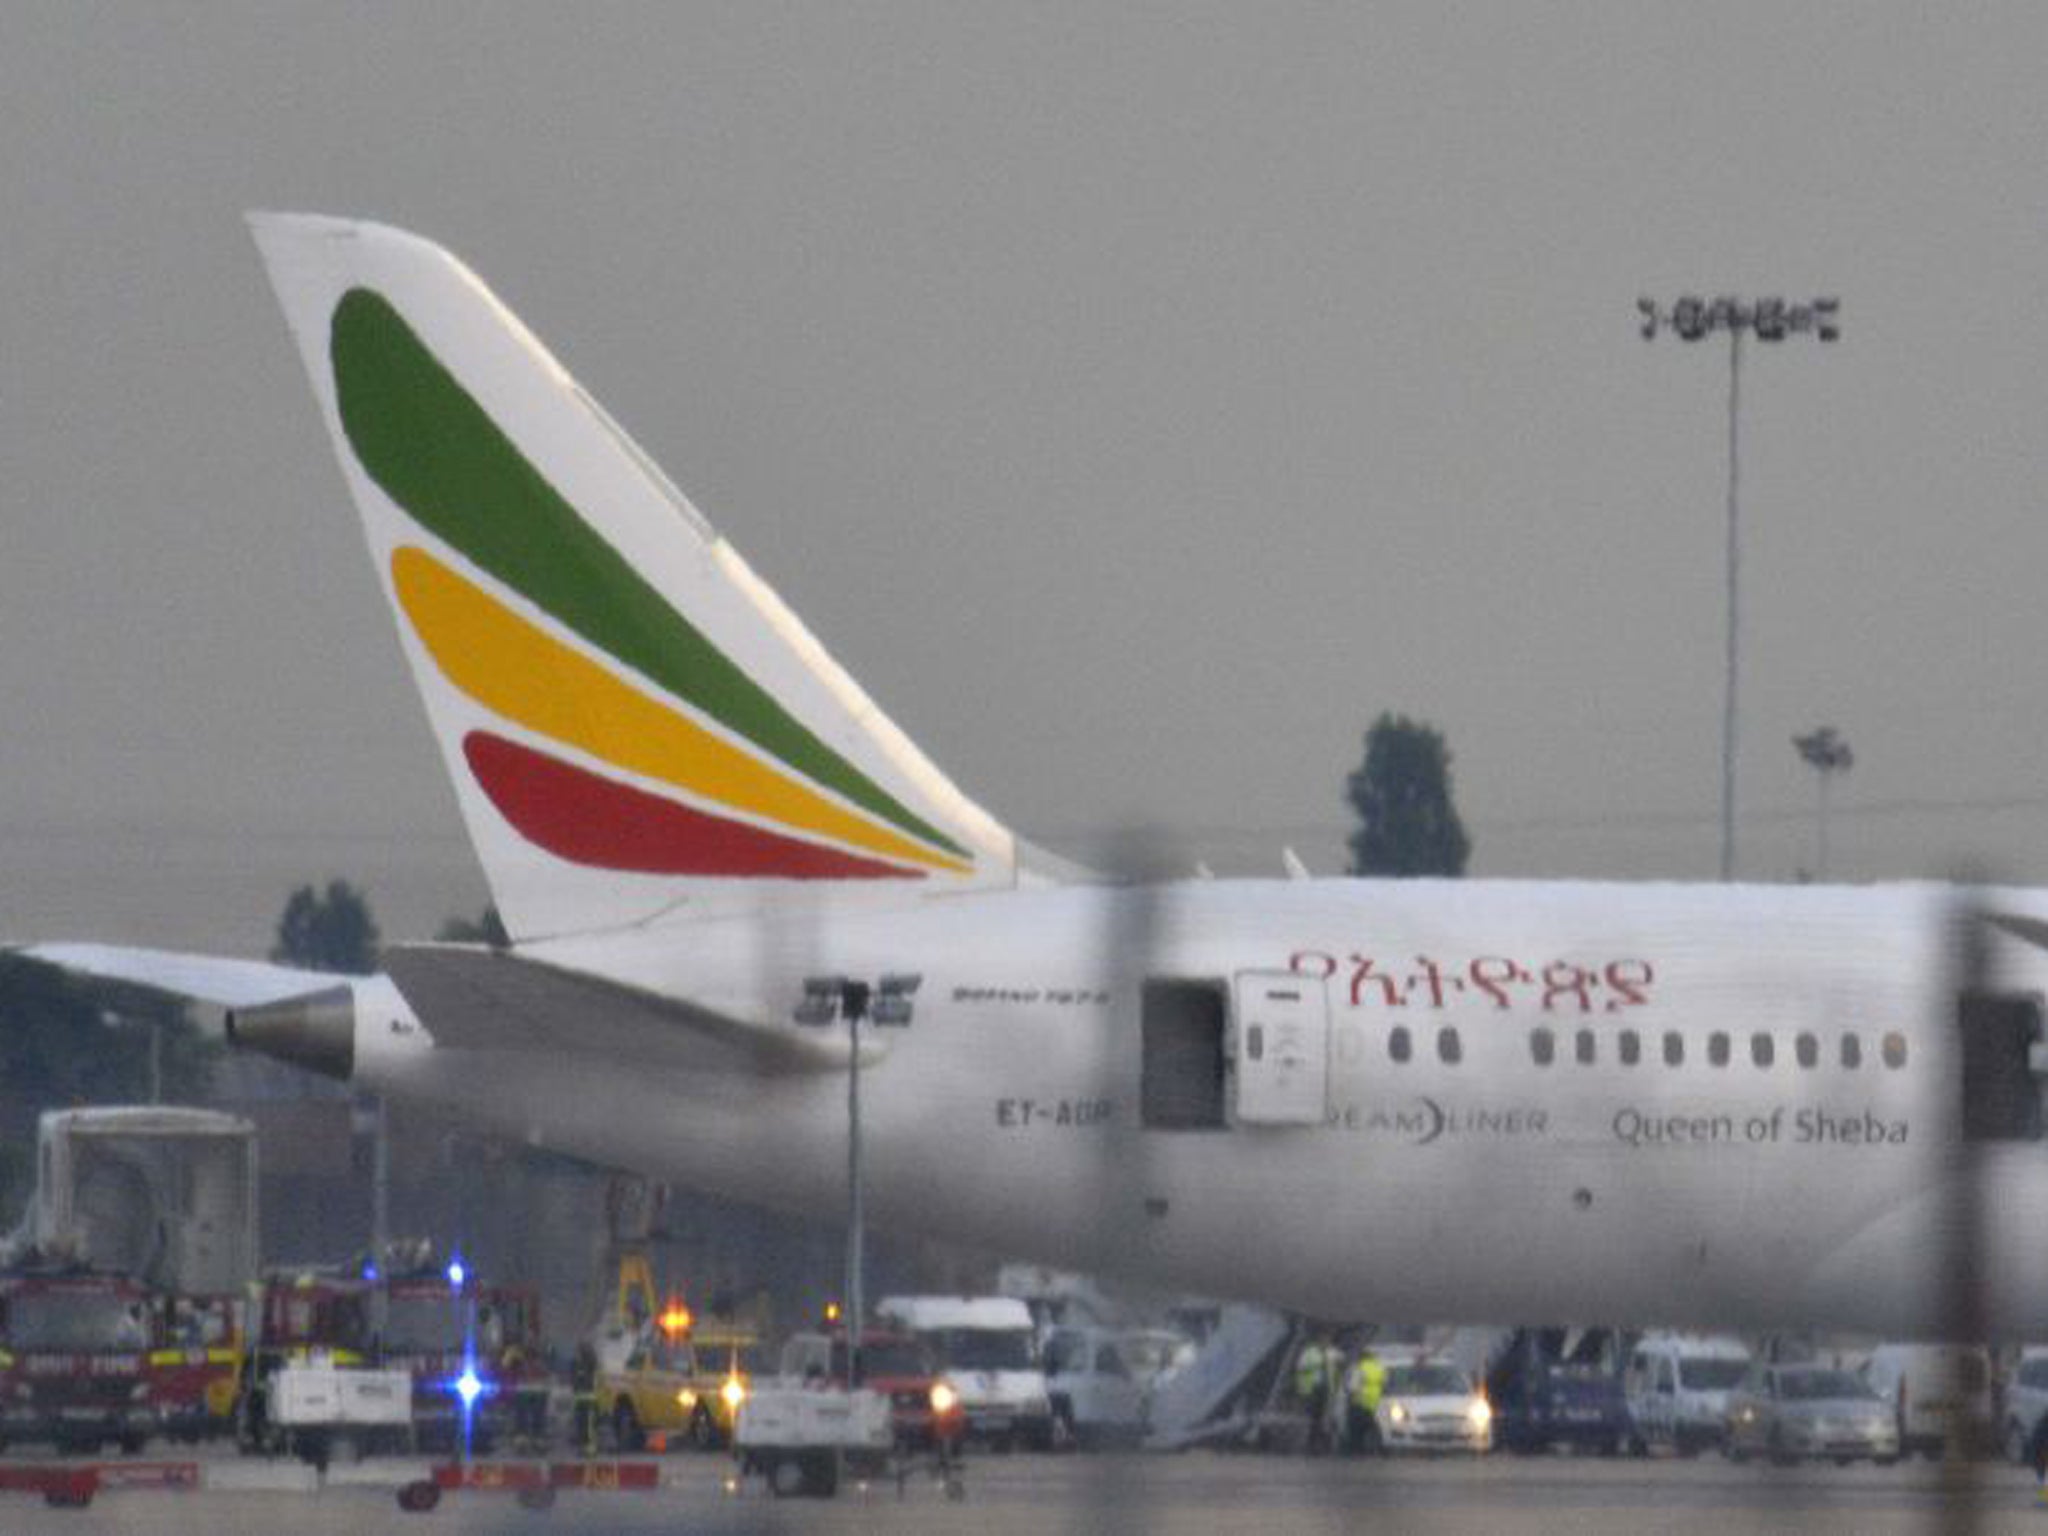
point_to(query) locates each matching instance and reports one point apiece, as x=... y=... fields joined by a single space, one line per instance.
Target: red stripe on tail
x=586 y=819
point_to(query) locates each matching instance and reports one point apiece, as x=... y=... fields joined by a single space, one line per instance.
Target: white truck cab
x=988 y=1351
x=1678 y=1386
x=1098 y=1395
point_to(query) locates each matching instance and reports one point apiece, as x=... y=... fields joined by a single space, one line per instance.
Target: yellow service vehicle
x=678 y=1382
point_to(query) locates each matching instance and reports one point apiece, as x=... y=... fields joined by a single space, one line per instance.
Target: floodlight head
x=820 y=1003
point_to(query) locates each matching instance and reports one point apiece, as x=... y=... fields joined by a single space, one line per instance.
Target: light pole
x=885 y=1004
x=1693 y=318
x=1827 y=754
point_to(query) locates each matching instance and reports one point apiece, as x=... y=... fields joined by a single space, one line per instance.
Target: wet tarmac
x=1189 y=1495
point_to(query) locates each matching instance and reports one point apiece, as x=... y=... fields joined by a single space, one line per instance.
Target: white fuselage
x=1471 y=1181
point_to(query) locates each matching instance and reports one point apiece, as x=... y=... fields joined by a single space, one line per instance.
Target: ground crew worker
x=1316 y=1371
x=1364 y=1386
x=583 y=1384
x=529 y=1398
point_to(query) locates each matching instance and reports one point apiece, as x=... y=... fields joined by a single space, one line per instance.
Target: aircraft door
x=1281 y=1048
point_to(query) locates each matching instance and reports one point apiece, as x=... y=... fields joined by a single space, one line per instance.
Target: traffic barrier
x=533 y=1483
x=74 y=1487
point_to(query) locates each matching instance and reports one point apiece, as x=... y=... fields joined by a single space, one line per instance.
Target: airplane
x=727 y=875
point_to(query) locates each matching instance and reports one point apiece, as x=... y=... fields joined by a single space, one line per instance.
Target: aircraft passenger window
x=1448 y=1047
x=1762 y=1050
x=1807 y=1049
x=1584 y=1047
x=1674 y=1048
x=1717 y=1048
x=1631 y=1045
x=1852 y=1052
x=1542 y=1045
x=1397 y=1043
x=1894 y=1049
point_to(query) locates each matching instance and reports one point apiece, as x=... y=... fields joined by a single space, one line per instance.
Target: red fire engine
x=74 y=1359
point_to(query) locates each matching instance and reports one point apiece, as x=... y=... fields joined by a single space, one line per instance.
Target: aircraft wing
x=488 y=1000
x=224 y=982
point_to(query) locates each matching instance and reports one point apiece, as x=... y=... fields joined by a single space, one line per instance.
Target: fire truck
x=166 y=1195
x=474 y=1353
x=74 y=1359
x=311 y=1386
x=195 y=1364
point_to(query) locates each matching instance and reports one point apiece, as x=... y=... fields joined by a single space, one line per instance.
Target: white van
x=987 y=1348
x=1942 y=1393
x=1678 y=1386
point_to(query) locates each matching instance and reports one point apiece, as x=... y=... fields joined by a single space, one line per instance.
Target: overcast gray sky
x=1137 y=400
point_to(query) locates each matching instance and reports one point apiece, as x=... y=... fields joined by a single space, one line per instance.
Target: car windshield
x=985 y=1349
x=1426 y=1381
x=75 y=1320
x=421 y=1324
x=1809 y=1386
x=1711 y=1375
x=1150 y=1353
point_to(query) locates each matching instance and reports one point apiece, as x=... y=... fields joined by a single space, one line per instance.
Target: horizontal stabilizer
x=488 y=1000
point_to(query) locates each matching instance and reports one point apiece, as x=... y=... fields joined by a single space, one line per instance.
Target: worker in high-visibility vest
x=1364 y=1385
x=583 y=1390
x=1317 y=1370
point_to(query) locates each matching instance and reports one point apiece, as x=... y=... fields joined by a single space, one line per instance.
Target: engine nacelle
x=337 y=1031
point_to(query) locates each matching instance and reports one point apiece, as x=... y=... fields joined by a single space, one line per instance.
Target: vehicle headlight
x=734 y=1392
x=1397 y=1413
x=1479 y=1413
x=944 y=1398
x=686 y=1399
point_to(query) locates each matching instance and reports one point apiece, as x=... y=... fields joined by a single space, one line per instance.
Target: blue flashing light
x=456 y=1273
x=468 y=1385
x=370 y=1272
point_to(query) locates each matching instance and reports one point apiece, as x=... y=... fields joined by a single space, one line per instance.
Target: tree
x=487 y=929
x=1408 y=824
x=331 y=932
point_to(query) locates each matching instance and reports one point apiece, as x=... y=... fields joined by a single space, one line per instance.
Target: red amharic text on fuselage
x=1423 y=981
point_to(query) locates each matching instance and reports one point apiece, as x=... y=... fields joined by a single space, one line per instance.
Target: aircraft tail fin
x=633 y=720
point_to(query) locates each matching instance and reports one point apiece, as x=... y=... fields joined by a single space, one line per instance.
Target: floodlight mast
x=883 y=1004
x=1772 y=319
x=1827 y=754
